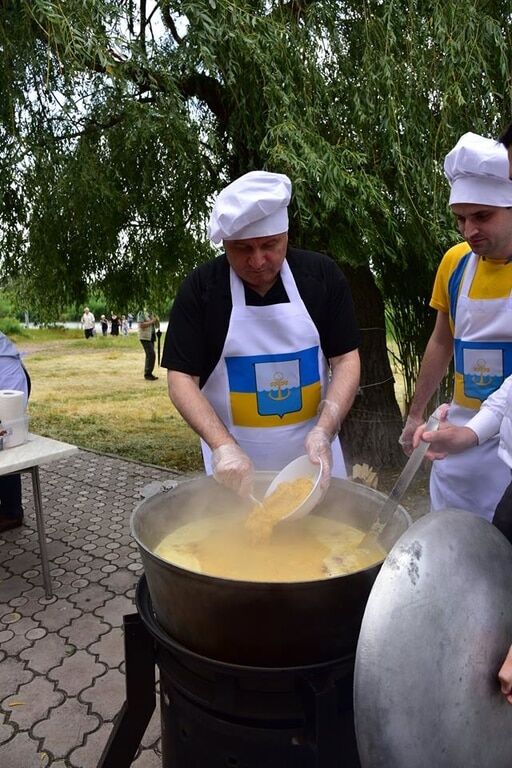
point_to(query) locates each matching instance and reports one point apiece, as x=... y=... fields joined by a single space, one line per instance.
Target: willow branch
x=209 y=91
x=296 y=8
x=171 y=26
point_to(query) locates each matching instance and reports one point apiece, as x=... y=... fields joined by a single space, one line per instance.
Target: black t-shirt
x=199 y=318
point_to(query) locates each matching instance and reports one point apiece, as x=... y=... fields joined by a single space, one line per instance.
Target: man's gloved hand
x=233 y=468
x=406 y=438
x=318 y=447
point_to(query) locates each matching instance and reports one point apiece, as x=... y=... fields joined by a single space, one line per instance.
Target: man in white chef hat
x=261 y=349
x=472 y=296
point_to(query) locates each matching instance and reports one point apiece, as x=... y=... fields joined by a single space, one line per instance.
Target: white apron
x=475 y=479
x=270 y=379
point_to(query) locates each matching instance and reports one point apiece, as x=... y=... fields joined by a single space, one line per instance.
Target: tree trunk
x=370 y=432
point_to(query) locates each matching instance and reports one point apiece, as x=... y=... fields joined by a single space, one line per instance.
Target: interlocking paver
x=106 y=695
x=62 y=659
x=114 y=610
x=84 y=630
x=12 y=587
x=20 y=624
x=88 y=755
x=57 y=615
x=46 y=653
x=18 y=563
x=32 y=702
x=13 y=673
x=16 y=645
x=22 y=752
x=6 y=730
x=118 y=581
x=110 y=648
x=66 y=727
x=90 y=596
x=76 y=672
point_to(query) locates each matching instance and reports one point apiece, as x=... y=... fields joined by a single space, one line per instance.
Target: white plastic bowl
x=301 y=467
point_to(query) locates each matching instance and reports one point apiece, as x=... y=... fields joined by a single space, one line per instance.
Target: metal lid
x=437 y=626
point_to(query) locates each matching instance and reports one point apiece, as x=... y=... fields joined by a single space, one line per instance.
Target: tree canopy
x=119 y=120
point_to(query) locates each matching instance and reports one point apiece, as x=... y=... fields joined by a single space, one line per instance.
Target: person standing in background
x=114 y=325
x=13 y=375
x=148 y=325
x=88 y=323
x=104 y=325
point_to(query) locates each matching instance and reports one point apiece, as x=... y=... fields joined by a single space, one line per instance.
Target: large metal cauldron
x=257 y=623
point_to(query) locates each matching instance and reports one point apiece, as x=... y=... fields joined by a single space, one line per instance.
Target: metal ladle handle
x=413 y=464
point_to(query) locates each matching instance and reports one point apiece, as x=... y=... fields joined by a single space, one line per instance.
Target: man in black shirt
x=262 y=342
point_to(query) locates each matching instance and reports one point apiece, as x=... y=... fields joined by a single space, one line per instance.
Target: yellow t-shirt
x=492 y=279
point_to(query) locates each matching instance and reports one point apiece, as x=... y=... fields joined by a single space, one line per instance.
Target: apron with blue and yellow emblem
x=270 y=379
x=475 y=479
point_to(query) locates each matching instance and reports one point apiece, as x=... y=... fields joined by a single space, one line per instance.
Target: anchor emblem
x=279 y=387
x=481 y=368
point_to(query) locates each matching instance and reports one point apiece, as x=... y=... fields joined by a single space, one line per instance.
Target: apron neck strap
x=238 y=290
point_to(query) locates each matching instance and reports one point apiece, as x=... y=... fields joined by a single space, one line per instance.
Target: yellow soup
x=304 y=550
x=285 y=499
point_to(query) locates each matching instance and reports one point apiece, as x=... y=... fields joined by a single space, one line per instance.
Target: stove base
x=193 y=738
x=218 y=715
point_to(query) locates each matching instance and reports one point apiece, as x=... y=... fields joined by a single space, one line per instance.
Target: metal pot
x=257 y=623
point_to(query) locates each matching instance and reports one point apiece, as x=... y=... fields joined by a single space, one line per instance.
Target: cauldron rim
x=244 y=583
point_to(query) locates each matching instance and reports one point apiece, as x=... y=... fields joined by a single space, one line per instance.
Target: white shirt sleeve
x=487 y=421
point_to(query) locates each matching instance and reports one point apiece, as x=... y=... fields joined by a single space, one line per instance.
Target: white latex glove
x=233 y=468
x=318 y=447
x=406 y=438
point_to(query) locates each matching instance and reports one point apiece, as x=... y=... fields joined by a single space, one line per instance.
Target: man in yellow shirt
x=472 y=296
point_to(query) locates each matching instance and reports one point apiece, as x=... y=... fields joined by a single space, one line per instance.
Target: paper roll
x=12 y=404
x=15 y=432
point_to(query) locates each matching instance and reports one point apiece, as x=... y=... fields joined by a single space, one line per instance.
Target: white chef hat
x=478 y=171
x=255 y=205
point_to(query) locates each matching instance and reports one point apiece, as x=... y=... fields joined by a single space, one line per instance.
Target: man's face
x=487 y=228
x=258 y=260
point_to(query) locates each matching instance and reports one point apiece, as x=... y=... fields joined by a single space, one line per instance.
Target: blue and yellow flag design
x=274 y=390
x=480 y=369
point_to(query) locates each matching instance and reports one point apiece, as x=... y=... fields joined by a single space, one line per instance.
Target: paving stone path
x=62 y=659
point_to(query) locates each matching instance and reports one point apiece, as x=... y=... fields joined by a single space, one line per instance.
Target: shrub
x=9 y=326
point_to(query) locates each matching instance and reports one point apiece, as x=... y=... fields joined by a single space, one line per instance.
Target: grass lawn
x=92 y=393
